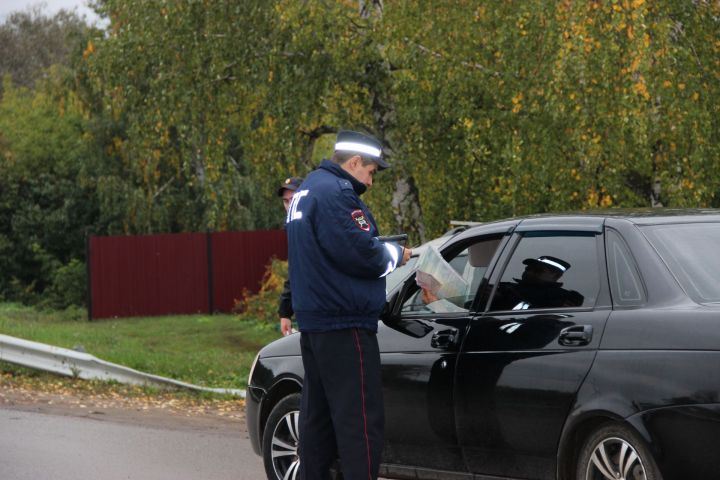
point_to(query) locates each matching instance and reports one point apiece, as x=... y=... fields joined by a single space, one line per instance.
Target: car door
x=525 y=357
x=419 y=349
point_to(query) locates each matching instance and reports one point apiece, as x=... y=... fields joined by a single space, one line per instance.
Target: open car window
x=398 y=275
x=468 y=268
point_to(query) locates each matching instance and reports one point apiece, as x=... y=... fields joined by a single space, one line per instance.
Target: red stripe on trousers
x=362 y=394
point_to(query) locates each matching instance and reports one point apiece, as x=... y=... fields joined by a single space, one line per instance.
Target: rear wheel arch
x=575 y=438
x=616 y=450
x=571 y=442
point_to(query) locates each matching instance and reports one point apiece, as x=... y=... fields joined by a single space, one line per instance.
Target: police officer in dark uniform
x=285 y=311
x=337 y=269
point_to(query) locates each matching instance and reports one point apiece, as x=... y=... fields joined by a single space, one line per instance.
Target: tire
x=614 y=452
x=280 y=440
x=281 y=437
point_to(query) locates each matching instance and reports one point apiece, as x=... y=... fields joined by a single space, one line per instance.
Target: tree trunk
x=655 y=188
x=407 y=210
x=367 y=7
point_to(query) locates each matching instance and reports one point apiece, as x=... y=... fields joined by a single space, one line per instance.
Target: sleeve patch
x=358 y=217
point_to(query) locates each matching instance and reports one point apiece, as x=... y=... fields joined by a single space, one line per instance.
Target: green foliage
x=46 y=206
x=68 y=285
x=31 y=42
x=183 y=116
x=176 y=81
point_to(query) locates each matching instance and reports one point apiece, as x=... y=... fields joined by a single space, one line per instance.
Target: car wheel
x=280 y=440
x=614 y=452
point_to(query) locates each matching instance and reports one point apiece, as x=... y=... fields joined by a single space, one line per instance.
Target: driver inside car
x=538 y=287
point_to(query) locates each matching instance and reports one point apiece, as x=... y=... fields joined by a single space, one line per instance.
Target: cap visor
x=382 y=164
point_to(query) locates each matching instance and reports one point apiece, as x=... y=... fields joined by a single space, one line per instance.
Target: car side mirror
x=386 y=314
x=410 y=326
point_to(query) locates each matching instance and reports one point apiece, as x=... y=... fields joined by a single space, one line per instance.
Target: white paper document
x=435 y=274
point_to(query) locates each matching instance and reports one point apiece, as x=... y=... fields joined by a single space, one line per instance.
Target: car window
x=625 y=283
x=470 y=265
x=690 y=252
x=399 y=274
x=415 y=302
x=550 y=271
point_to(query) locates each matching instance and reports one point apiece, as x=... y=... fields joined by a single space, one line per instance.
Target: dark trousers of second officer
x=341 y=414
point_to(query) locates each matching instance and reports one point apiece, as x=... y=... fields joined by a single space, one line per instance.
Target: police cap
x=362 y=144
x=290 y=183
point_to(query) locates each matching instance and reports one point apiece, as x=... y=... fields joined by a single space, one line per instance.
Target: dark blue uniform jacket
x=337 y=265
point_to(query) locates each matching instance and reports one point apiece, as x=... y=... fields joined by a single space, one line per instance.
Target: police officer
x=337 y=269
x=286 y=191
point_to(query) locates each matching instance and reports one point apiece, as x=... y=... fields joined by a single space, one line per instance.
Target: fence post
x=211 y=283
x=88 y=276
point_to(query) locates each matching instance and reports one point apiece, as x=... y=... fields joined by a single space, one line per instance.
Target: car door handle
x=576 y=336
x=444 y=338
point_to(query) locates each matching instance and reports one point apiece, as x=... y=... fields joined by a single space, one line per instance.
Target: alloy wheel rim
x=284 y=447
x=615 y=459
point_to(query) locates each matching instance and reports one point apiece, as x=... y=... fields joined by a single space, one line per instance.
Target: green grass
x=209 y=350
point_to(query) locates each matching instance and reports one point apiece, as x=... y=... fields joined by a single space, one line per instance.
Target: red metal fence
x=177 y=273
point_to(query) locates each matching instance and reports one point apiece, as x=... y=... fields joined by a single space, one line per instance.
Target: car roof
x=640 y=216
x=653 y=216
x=586 y=220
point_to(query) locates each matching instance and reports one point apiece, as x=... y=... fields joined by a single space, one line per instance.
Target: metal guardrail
x=72 y=363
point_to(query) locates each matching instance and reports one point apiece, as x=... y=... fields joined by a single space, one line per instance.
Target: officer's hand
x=285 y=326
x=406 y=256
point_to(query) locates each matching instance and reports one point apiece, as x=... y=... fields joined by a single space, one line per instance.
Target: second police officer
x=285 y=311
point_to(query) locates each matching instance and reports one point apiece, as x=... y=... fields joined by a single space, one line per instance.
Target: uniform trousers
x=342 y=412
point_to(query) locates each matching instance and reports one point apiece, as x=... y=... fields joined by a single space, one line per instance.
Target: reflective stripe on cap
x=551 y=263
x=357 y=147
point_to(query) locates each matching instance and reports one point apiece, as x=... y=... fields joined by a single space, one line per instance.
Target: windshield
x=690 y=251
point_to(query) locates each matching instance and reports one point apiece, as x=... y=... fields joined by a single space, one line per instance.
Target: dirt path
x=122 y=404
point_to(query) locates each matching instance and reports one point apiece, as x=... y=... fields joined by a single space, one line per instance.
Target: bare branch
x=162 y=189
x=317 y=132
x=312 y=136
x=440 y=55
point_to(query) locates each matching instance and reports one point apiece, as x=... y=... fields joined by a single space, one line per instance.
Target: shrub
x=261 y=307
x=68 y=285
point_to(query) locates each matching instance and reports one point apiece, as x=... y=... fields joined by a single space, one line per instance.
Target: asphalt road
x=42 y=446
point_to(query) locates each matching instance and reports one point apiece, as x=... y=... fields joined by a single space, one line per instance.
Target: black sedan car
x=582 y=347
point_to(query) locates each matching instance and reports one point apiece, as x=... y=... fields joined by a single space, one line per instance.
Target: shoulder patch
x=345 y=184
x=358 y=217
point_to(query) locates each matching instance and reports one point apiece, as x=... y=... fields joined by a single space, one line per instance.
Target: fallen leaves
x=83 y=394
